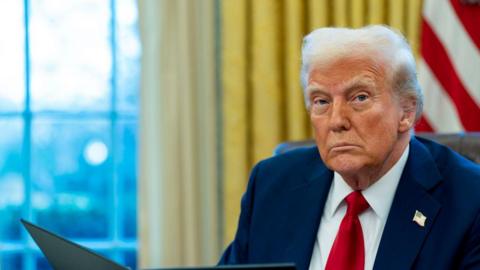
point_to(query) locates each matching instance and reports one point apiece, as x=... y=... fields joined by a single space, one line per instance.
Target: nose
x=339 y=117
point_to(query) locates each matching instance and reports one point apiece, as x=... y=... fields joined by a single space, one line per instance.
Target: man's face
x=357 y=119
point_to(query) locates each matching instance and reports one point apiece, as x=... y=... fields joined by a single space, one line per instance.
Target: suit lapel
x=402 y=238
x=305 y=211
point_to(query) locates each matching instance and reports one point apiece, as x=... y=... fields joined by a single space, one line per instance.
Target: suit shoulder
x=461 y=176
x=288 y=168
x=293 y=158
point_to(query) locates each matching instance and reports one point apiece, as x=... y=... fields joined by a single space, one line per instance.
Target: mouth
x=342 y=147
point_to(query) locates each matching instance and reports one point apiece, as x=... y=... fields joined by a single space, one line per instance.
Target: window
x=69 y=80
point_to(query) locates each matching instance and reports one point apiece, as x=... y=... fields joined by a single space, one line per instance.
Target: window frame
x=115 y=244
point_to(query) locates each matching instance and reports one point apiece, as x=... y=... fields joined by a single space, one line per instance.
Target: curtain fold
x=235 y=108
x=296 y=124
x=178 y=181
x=267 y=78
x=262 y=98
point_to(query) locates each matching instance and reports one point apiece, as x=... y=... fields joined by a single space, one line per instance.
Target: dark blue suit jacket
x=283 y=205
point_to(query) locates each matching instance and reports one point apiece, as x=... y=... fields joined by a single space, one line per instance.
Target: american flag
x=449 y=67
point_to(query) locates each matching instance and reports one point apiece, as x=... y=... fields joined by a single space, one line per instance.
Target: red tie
x=348 y=250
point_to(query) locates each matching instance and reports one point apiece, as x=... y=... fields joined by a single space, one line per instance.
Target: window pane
x=70 y=54
x=128 y=56
x=12 y=55
x=11 y=179
x=41 y=262
x=11 y=261
x=127 y=174
x=72 y=177
x=130 y=259
x=67 y=176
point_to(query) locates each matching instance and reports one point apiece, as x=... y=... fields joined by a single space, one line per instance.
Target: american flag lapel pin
x=419 y=218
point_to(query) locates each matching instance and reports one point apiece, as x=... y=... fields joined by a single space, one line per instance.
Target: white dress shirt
x=379 y=196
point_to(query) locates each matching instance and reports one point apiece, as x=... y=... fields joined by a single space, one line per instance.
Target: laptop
x=63 y=254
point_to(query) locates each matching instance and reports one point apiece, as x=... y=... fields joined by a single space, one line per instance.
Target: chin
x=350 y=169
x=345 y=166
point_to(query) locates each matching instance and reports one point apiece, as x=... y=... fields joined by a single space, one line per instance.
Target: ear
x=407 y=119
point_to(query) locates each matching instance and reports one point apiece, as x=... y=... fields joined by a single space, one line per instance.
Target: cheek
x=320 y=134
x=382 y=139
x=383 y=119
x=378 y=130
x=319 y=128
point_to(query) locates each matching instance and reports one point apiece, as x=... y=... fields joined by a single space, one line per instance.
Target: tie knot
x=356 y=203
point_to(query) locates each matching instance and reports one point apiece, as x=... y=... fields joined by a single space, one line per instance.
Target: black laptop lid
x=66 y=255
x=63 y=254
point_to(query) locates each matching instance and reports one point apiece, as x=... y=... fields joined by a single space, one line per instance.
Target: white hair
x=381 y=44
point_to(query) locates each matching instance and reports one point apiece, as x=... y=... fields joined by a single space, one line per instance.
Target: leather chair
x=466 y=144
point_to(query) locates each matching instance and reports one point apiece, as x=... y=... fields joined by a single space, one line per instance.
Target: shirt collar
x=379 y=195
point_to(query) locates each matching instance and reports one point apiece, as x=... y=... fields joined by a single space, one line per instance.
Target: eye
x=320 y=101
x=361 y=97
x=319 y=105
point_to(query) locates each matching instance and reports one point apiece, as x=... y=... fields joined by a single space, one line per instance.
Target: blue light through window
x=69 y=79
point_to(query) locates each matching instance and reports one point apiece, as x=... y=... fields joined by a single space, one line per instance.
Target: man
x=370 y=195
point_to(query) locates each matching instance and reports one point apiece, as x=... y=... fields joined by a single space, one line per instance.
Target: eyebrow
x=314 y=89
x=351 y=85
x=360 y=81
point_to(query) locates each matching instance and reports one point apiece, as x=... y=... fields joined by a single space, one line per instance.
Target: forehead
x=346 y=72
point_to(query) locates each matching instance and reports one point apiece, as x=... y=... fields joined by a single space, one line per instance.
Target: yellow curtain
x=262 y=98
